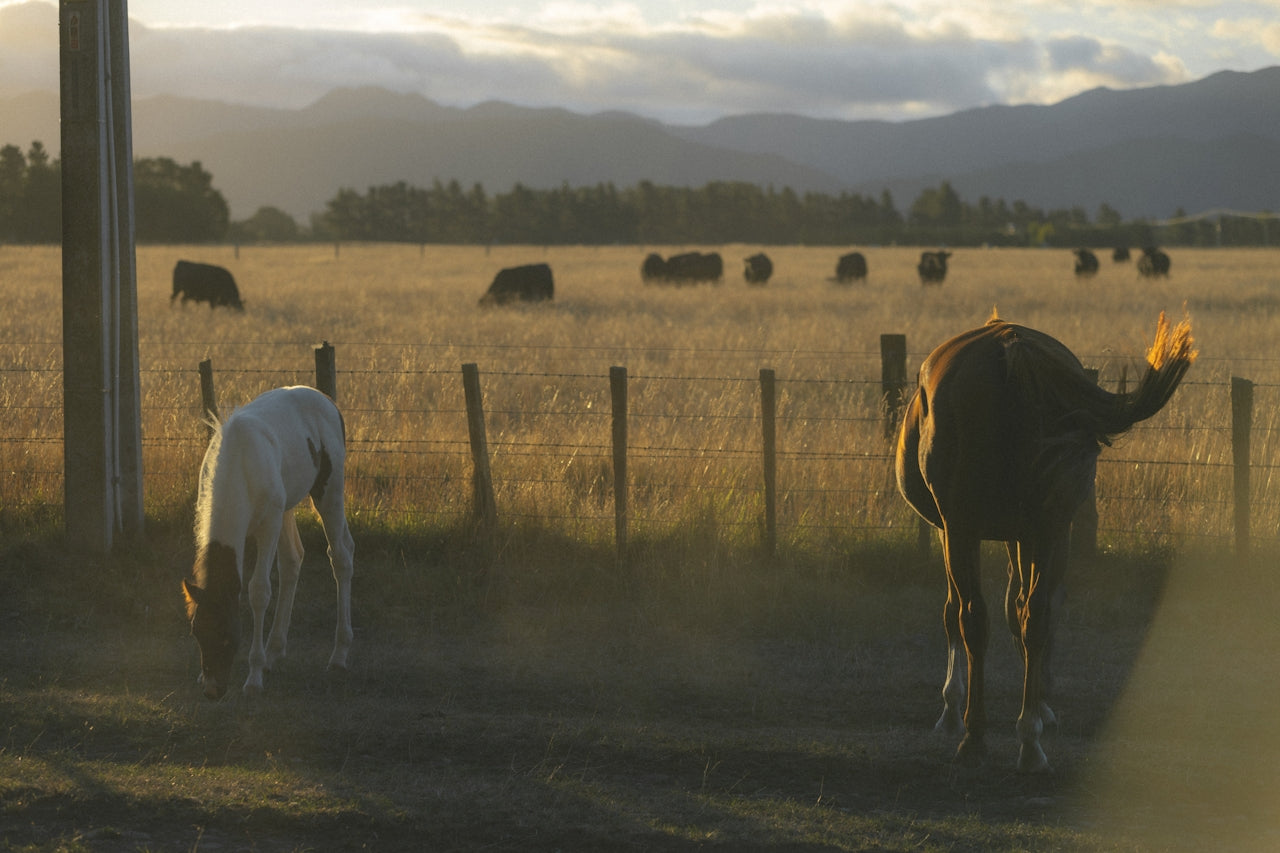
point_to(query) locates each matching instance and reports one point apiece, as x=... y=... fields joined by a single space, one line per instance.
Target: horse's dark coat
x=1000 y=442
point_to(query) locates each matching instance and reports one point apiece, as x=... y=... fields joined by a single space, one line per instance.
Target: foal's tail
x=1171 y=355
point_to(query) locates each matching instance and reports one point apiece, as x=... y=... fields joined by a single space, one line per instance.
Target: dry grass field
x=404 y=319
x=531 y=695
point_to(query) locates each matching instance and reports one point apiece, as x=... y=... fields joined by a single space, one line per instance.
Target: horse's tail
x=1170 y=356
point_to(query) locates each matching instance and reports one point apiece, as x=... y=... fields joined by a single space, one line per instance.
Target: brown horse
x=1000 y=442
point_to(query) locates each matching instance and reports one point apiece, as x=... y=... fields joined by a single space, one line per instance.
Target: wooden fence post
x=893 y=379
x=1084 y=527
x=1241 y=427
x=208 y=400
x=327 y=370
x=483 y=504
x=618 y=393
x=768 y=418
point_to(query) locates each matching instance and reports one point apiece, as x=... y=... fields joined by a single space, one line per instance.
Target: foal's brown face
x=216 y=626
x=215 y=614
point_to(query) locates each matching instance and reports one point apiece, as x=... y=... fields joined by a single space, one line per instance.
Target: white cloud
x=891 y=59
x=1263 y=32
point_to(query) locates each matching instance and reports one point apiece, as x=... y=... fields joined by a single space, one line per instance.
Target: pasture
x=526 y=692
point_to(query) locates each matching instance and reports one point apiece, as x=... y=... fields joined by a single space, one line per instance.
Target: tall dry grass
x=404 y=318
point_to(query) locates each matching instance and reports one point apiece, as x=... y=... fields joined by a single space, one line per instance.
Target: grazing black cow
x=933 y=267
x=851 y=267
x=694 y=267
x=205 y=283
x=1120 y=255
x=528 y=283
x=686 y=268
x=1153 y=263
x=758 y=269
x=1086 y=262
x=654 y=268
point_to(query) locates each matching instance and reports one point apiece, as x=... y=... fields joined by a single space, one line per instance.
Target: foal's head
x=214 y=611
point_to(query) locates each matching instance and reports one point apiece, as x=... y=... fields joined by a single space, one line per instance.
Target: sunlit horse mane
x=1000 y=442
x=262 y=461
x=204 y=493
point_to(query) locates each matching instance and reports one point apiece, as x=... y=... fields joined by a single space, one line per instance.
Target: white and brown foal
x=263 y=461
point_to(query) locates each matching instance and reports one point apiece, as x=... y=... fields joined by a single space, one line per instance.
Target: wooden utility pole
x=102 y=410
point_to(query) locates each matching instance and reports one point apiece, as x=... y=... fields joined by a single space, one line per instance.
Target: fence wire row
x=694 y=443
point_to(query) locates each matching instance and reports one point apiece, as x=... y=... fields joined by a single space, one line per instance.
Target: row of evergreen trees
x=739 y=212
x=172 y=203
x=179 y=204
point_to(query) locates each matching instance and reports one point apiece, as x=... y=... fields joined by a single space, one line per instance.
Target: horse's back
x=295 y=433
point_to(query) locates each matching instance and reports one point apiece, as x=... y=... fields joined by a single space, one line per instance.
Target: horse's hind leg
x=1037 y=618
x=341 y=558
x=1015 y=601
x=289 y=558
x=953 y=689
x=962 y=556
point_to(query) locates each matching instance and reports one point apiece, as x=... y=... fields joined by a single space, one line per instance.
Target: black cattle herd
x=198 y=282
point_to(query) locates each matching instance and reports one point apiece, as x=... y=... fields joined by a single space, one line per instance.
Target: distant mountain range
x=1146 y=152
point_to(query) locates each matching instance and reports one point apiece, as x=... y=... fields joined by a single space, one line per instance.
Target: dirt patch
x=583 y=723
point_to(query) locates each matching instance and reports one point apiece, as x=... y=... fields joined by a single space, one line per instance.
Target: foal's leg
x=341 y=558
x=266 y=535
x=289 y=560
x=962 y=555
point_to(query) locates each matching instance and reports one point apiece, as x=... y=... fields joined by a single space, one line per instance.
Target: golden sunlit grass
x=404 y=319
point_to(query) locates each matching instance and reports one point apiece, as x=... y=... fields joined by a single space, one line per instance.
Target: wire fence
x=695 y=461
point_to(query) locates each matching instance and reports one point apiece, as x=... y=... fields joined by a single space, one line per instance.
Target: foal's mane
x=214 y=571
x=204 y=493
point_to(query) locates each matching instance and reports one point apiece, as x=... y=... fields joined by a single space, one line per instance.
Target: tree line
x=177 y=203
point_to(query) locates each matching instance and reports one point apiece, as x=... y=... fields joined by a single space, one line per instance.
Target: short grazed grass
x=551 y=704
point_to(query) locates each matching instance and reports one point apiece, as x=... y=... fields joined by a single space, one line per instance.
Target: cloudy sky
x=684 y=61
